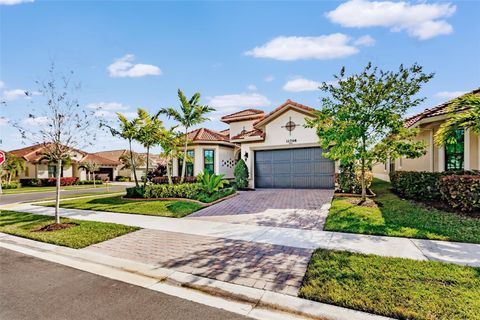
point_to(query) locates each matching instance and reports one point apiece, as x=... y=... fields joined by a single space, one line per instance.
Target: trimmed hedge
x=11 y=185
x=176 y=180
x=83 y=182
x=184 y=190
x=461 y=191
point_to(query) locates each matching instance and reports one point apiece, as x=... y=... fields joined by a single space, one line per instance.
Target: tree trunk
x=132 y=163
x=146 y=168
x=362 y=178
x=169 y=173
x=1 y=172
x=9 y=178
x=57 y=196
x=184 y=164
x=94 y=185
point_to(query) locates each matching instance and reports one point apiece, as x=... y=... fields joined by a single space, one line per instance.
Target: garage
x=300 y=168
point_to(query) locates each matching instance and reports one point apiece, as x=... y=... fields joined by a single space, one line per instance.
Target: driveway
x=289 y=208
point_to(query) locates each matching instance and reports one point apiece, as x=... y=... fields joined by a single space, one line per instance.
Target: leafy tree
x=361 y=119
x=171 y=142
x=13 y=165
x=60 y=123
x=191 y=113
x=129 y=131
x=126 y=160
x=91 y=167
x=464 y=114
x=241 y=174
x=212 y=182
x=149 y=134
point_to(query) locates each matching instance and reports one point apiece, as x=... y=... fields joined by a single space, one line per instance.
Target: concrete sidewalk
x=451 y=252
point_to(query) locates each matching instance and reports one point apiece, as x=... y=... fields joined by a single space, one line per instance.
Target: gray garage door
x=302 y=168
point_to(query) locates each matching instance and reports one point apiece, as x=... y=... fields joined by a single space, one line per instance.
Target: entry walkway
x=452 y=252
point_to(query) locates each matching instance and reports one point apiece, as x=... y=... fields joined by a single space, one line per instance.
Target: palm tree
x=13 y=166
x=91 y=167
x=126 y=160
x=465 y=114
x=191 y=113
x=129 y=131
x=170 y=143
x=149 y=134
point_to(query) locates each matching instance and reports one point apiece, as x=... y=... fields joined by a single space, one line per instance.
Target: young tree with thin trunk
x=58 y=122
x=191 y=113
x=91 y=167
x=149 y=135
x=360 y=122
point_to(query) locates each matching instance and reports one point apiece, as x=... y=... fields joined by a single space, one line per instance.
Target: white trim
x=466 y=150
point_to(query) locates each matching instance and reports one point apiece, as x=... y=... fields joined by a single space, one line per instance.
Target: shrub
x=122 y=178
x=135 y=192
x=204 y=197
x=31 y=182
x=164 y=180
x=212 y=182
x=349 y=179
x=86 y=182
x=421 y=185
x=11 y=185
x=184 y=190
x=241 y=174
x=64 y=181
x=461 y=191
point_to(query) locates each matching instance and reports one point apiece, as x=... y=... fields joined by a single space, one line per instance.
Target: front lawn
x=84 y=234
x=79 y=195
x=46 y=189
x=174 y=209
x=402 y=218
x=393 y=287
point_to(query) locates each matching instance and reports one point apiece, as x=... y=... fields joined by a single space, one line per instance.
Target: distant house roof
x=95 y=158
x=207 y=135
x=251 y=133
x=435 y=111
x=247 y=114
x=36 y=152
x=272 y=115
x=112 y=154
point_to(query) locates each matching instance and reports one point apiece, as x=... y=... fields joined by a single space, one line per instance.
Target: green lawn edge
x=400 y=218
x=85 y=234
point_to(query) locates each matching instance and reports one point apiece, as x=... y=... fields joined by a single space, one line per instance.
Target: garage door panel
x=293 y=168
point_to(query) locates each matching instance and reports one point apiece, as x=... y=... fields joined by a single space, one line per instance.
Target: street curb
x=252 y=302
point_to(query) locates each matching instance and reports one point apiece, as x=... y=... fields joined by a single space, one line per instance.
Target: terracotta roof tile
x=251 y=133
x=204 y=134
x=288 y=102
x=91 y=157
x=112 y=154
x=243 y=115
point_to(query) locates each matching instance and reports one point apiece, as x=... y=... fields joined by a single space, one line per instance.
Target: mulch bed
x=367 y=203
x=55 y=227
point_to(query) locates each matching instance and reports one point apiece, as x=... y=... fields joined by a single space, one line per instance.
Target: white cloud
x=2 y=84
x=231 y=103
x=14 y=94
x=12 y=2
x=252 y=87
x=301 y=84
x=365 y=41
x=422 y=20
x=269 y=78
x=107 y=106
x=449 y=94
x=333 y=46
x=124 y=67
x=35 y=121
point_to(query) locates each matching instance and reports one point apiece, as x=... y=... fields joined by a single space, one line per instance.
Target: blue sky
x=236 y=54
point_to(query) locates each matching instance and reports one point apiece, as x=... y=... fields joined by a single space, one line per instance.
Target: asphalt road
x=32 y=288
x=22 y=197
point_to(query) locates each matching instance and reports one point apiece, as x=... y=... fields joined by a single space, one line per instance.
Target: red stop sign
x=2 y=157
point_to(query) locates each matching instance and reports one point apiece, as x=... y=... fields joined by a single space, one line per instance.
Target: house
x=115 y=155
x=38 y=167
x=278 y=150
x=462 y=155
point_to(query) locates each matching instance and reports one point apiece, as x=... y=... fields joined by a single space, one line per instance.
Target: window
x=52 y=171
x=454 y=152
x=209 y=160
x=189 y=169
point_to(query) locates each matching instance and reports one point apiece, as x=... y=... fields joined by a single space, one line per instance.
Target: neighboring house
x=463 y=155
x=37 y=167
x=278 y=150
x=114 y=155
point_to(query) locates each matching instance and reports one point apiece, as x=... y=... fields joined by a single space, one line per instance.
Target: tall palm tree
x=149 y=134
x=191 y=113
x=170 y=143
x=128 y=131
x=465 y=114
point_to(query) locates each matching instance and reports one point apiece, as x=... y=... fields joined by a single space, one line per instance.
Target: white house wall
x=226 y=160
x=238 y=126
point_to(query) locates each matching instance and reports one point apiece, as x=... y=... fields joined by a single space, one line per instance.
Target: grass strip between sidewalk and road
x=393 y=287
x=85 y=233
x=78 y=195
x=163 y=208
x=400 y=218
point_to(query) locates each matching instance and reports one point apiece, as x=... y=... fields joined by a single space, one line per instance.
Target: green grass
x=173 y=209
x=393 y=287
x=85 y=234
x=76 y=195
x=401 y=218
x=45 y=189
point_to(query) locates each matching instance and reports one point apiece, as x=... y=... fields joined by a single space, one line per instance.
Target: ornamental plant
x=241 y=174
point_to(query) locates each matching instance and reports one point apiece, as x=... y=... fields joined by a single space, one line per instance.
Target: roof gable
x=247 y=114
x=288 y=105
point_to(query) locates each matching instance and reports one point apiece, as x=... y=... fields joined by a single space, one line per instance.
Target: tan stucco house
x=277 y=148
x=39 y=168
x=464 y=155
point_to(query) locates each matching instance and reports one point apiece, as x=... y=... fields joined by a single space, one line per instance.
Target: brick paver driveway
x=289 y=208
x=263 y=266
